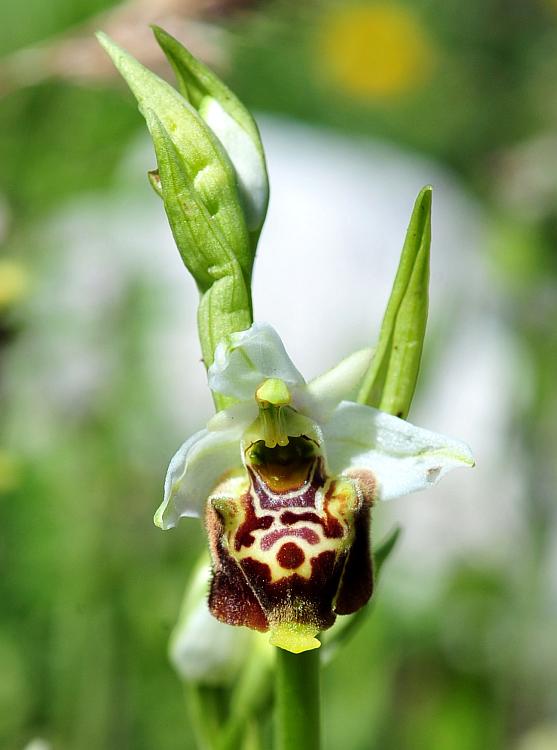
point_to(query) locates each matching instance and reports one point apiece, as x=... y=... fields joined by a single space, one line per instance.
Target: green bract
x=391 y=379
x=212 y=178
x=229 y=120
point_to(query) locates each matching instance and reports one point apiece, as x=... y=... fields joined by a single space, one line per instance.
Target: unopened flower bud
x=201 y=648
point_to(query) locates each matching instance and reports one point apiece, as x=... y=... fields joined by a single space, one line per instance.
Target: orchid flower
x=286 y=478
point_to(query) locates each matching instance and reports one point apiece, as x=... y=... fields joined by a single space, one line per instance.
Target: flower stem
x=202 y=714
x=297 y=700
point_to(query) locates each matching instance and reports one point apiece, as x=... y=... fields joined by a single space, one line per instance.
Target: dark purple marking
x=330 y=525
x=304 y=533
x=251 y=523
x=290 y=556
x=257 y=573
x=288 y=518
x=232 y=598
x=356 y=586
x=302 y=498
x=298 y=599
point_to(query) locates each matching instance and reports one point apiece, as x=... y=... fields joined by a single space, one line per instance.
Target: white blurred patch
x=204 y=650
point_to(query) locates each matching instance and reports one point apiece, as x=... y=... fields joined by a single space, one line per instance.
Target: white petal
x=194 y=471
x=246 y=159
x=237 y=417
x=402 y=457
x=249 y=358
x=342 y=383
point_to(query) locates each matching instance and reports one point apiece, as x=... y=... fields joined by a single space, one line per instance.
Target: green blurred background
x=97 y=350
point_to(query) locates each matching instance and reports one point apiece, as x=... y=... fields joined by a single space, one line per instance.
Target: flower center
x=283 y=467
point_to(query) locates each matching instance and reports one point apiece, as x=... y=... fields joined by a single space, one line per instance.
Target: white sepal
x=237 y=417
x=193 y=472
x=248 y=358
x=402 y=457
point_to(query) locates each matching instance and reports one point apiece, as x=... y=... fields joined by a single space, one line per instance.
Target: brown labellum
x=290 y=545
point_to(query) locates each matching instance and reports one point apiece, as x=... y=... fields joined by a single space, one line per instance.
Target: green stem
x=250 y=698
x=297 y=701
x=202 y=712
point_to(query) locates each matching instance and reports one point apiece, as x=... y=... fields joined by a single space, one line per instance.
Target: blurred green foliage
x=89 y=589
x=34 y=21
x=59 y=140
x=486 y=88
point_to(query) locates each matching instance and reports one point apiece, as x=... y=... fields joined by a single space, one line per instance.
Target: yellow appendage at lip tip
x=294 y=637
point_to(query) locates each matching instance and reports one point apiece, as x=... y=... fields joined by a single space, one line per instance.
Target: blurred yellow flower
x=9 y=471
x=14 y=282
x=374 y=51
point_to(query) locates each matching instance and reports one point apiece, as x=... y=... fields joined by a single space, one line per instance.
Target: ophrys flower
x=286 y=478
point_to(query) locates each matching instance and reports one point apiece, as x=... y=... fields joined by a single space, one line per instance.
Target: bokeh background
x=360 y=104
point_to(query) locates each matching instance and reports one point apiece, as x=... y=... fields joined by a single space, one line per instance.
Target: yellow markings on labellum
x=230 y=512
x=287 y=549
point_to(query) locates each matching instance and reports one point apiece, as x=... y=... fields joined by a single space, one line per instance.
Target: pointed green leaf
x=231 y=122
x=391 y=379
x=208 y=169
x=384 y=550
